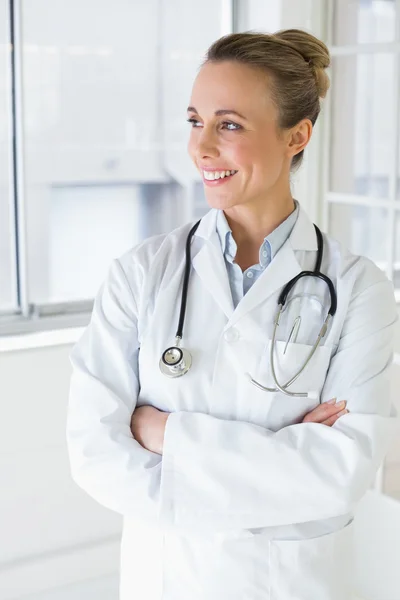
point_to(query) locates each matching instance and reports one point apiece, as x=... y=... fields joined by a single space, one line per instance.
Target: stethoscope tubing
x=283 y=387
x=176 y=361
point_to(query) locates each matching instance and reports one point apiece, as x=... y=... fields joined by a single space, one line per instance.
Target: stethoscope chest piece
x=175 y=362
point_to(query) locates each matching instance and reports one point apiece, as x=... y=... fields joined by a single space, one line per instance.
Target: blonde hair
x=296 y=62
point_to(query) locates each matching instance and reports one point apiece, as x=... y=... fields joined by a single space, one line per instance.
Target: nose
x=206 y=143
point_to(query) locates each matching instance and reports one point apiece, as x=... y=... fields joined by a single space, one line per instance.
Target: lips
x=216 y=169
x=211 y=177
x=219 y=181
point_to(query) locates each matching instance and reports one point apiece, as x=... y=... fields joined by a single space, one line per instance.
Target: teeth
x=211 y=175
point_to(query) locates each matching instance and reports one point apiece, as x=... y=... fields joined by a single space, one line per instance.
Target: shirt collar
x=274 y=241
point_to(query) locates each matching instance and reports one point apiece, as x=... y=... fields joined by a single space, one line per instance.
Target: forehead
x=231 y=85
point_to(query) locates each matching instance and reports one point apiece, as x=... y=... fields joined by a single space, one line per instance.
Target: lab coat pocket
x=289 y=359
x=319 y=568
x=278 y=409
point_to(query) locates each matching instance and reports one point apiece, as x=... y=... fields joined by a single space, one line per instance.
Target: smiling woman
x=265 y=138
x=239 y=491
x=276 y=82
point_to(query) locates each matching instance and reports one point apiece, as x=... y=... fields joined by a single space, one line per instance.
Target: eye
x=236 y=125
x=193 y=121
x=226 y=124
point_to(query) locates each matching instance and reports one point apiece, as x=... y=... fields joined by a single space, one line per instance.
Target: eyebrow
x=218 y=113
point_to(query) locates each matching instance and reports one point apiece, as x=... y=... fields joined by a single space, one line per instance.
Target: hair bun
x=314 y=52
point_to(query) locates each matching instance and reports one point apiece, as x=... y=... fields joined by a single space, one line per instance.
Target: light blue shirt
x=240 y=282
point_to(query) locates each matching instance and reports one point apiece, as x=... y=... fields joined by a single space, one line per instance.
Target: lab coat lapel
x=281 y=270
x=283 y=267
x=209 y=263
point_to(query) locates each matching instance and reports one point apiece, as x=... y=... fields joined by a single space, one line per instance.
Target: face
x=249 y=143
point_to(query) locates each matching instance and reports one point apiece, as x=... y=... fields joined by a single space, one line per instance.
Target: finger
x=329 y=422
x=325 y=410
x=334 y=418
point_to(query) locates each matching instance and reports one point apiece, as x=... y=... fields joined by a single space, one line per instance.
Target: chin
x=219 y=202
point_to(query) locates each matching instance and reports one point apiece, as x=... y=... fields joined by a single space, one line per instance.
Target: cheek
x=270 y=155
x=242 y=153
x=258 y=158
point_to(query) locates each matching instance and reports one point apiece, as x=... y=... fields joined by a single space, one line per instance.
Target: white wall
x=51 y=533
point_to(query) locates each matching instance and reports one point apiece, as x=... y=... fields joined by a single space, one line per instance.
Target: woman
x=229 y=491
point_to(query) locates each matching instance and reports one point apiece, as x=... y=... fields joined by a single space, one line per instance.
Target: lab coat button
x=231 y=335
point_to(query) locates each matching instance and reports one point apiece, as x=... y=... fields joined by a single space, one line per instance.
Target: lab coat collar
x=302 y=236
x=210 y=265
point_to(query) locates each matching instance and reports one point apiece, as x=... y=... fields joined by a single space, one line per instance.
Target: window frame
x=10 y=307
x=391 y=203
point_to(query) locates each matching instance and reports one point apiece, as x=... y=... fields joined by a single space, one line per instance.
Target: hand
x=148 y=427
x=327 y=414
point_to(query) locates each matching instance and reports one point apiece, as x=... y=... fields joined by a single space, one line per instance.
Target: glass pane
x=7 y=270
x=259 y=15
x=104 y=221
x=271 y=15
x=363 y=21
x=362 y=230
x=106 y=131
x=362 y=124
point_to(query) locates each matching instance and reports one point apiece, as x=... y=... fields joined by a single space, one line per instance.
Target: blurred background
x=93 y=135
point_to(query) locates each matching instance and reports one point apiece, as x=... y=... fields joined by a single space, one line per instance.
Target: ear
x=299 y=136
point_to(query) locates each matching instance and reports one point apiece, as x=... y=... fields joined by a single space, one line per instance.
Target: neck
x=251 y=223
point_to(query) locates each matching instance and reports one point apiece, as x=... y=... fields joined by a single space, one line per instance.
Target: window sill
x=40 y=339
x=23 y=334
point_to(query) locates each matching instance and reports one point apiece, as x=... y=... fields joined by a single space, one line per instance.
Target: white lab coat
x=246 y=502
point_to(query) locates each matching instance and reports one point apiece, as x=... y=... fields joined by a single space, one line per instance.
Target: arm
x=225 y=475
x=106 y=461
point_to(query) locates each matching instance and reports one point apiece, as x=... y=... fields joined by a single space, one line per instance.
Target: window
x=103 y=105
x=105 y=133
x=361 y=183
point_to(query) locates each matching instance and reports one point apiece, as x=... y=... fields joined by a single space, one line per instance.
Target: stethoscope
x=176 y=361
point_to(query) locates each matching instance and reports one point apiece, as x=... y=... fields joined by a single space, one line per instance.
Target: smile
x=217 y=177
